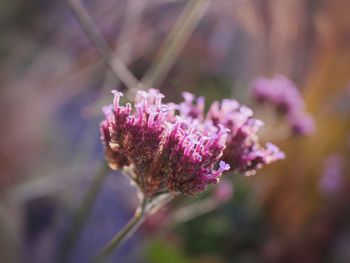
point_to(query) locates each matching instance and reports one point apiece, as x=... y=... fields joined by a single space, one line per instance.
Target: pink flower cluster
x=282 y=94
x=243 y=151
x=175 y=148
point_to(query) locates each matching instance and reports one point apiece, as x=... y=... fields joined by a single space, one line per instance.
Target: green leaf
x=159 y=251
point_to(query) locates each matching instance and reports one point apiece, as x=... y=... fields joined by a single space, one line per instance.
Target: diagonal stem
x=128 y=33
x=116 y=66
x=147 y=206
x=192 y=211
x=124 y=233
x=175 y=41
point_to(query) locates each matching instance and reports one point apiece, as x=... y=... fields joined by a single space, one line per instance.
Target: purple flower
x=332 y=178
x=278 y=91
x=160 y=151
x=283 y=95
x=224 y=191
x=243 y=151
x=192 y=107
x=301 y=123
x=177 y=148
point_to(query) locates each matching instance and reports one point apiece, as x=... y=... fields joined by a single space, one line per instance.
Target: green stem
x=124 y=233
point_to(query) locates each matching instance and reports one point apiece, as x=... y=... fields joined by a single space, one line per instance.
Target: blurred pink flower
x=332 y=178
x=223 y=191
x=283 y=95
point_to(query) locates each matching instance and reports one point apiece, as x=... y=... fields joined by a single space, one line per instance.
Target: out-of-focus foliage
x=158 y=251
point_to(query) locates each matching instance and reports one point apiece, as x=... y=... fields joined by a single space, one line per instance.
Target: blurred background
x=54 y=83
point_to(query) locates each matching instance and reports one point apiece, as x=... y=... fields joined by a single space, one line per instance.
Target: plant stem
x=175 y=41
x=124 y=233
x=194 y=210
x=115 y=65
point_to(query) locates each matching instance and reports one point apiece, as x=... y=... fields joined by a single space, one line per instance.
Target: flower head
x=162 y=151
x=192 y=107
x=177 y=148
x=283 y=95
x=278 y=91
x=243 y=151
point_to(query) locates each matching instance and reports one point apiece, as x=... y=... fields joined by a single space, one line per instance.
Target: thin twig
x=128 y=32
x=175 y=41
x=129 y=29
x=124 y=233
x=116 y=66
x=147 y=206
x=194 y=210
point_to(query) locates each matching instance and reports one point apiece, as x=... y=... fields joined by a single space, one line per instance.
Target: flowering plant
x=168 y=149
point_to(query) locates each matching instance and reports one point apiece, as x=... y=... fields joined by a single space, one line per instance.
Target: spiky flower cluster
x=162 y=152
x=177 y=148
x=283 y=95
x=243 y=151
